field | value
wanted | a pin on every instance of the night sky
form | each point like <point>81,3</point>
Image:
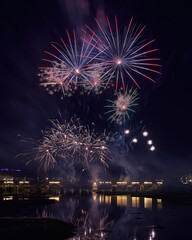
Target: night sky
<point>28,27</point>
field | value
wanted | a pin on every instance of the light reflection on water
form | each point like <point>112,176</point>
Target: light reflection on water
<point>148,203</point>
<point>159,204</point>
<point>121,201</point>
<point>105,217</point>
<point>135,202</point>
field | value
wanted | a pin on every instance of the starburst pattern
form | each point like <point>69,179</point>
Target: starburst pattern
<point>124,55</point>
<point>120,108</point>
<point>72,66</point>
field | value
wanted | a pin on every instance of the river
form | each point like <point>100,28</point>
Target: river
<point>119,217</point>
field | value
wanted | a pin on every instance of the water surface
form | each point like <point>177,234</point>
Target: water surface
<point>119,217</point>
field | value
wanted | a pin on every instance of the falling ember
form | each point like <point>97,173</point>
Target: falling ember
<point>152,148</point>
<point>145,134</point>
<point>127,131</point>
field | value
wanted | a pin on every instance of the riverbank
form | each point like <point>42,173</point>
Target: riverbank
<point>35,228</point>
<point>12,207</point>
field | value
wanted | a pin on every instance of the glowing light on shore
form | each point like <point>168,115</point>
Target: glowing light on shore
<point>122,183</point>
<point>22,182</point>
<point>54,198</point>
<point>159,183</point>
<point>54,182</point>
<point>8,198</point>
<point>148,183</point>
<point>8,182</point>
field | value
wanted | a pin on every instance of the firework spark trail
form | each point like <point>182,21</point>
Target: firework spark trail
<point>72,67</point>
<point>70,144</point>
<point>126,54</point>
<point>120,108</point>
<point>92,230</point>
<point>97,79</point>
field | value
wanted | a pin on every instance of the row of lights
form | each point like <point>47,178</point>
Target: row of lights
<point>133,183</point>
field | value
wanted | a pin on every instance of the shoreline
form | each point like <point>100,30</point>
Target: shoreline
<point>39,228</point>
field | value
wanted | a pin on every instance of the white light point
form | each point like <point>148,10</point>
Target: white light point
<point>152,148</point>
<point>77,71</point>
<point>123,107</point>
<point>135,140</point>
<point>118,61</point>
<point>149,142</point>
<point>127,131</point>
<point>153,233</point>
<point>145,134</point>
<point>96,82</point>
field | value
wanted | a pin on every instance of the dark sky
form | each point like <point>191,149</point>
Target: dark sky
<point>28,27</point>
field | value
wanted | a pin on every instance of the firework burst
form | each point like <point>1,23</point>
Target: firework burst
<point>72,65</point>
<point>120,108</point>
<point>97,80</point>
<point>70,144</point>
<point>126,54</point>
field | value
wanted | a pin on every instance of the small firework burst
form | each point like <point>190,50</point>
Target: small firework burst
<point>53,79</point>
<point>120,108</point>
<point>97,80</point>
